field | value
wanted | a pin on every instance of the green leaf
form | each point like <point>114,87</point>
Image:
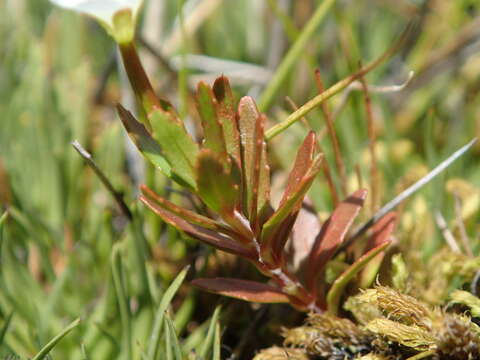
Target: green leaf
<point>178,146</point>
<point>242,289</point>
<point>158,322</point>
<point>174,351</point>
<point>118,273</point>
<point>212,127</point>
<point>227,116</point>
<point>144,141</point>
<point>335,292</point>
<point>216,185</point>
<point>51,344</point>
<point>208,344</point>
<point>5,327</point>
<point>217,342</point>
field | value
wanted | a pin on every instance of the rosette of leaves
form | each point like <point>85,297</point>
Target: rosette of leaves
<point>229,172</point>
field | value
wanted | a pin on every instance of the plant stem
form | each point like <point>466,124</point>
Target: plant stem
<point>334,89</point>
<point>146,97</point>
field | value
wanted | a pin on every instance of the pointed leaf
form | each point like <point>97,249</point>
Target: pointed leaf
<point>216,185</point>
<point>286,214</point>
<point>183,213</point>
<point>212,127</point>
<point>335,292</point>
<point>382,230</point>
<point>333,233</point>
<point>208,343</point>
<point>303,162</point>
<point>172,345</point>
<point>242,289</point>
<point>227,115</point>
<point>178,146</point>
<point>144,141</point>
<point>167,297</point>
<point>381,233</point>
<point>304,231</point>
<point>210,237</point>
<point>43,353</point>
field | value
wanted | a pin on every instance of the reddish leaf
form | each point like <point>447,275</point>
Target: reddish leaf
<point>303,162</point>
<point>332,234</point>
<point>381,233</point>
<point>144,141</point>
<point>212,127</point>
<point>304,231</point>
<point>216,185</point>
<point>272,242</point>
<point>227,116</point>
<point>382,230</point>
<point>242,289</point>
<point>183,213</point>
<point>198,232</point>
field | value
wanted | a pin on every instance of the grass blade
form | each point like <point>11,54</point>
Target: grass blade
<point>334,89</point>
<point>208,344</point>
<point>335,292</point>
<point>158,322</point>
<point>5,327</point>
<point>51,344</point>
<point>122,298</point>
<point>295,52</point>
<point>408,192</point>
<point>174,351</point>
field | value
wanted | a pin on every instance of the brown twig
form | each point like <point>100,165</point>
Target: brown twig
<point>461,226</point>
<point>371,146</point>
<point>325,165</point>
<point>333,136</point>
<point>103,178</point>
<point>447,234</point>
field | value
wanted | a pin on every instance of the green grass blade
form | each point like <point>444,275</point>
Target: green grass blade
<point>125,316</point>
<point>5,327</point>
<point>158,322</point>
<point>50,345</point>
<point>172,339</point>
<point>295,52</point>
<point>3,218</point>
<point>208,344</point>
<point>217,342</point>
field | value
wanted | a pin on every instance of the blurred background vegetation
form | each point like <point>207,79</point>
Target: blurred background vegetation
<point>66,251</point>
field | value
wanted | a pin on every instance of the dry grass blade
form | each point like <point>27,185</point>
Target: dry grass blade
<point>408,192</point>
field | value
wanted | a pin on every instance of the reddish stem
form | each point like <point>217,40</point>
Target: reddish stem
<point>141,85</point>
